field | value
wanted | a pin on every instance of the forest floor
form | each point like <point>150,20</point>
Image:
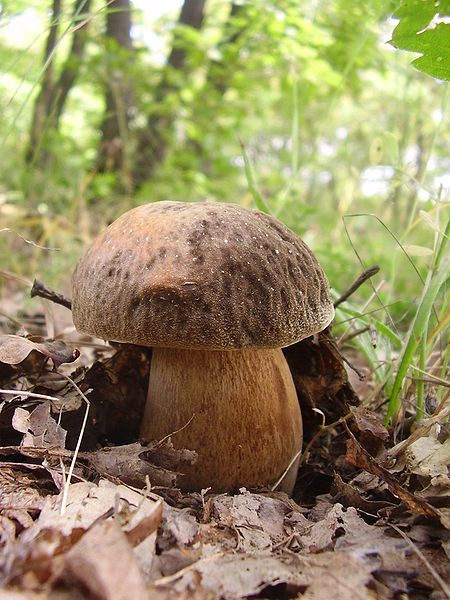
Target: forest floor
<point>86,511</point>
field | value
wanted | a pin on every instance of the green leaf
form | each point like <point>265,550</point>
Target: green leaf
<point>414,250</point>
<point>435,46</point>
<point>415,33</point>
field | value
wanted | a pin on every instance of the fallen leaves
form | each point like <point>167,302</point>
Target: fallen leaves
<point>101,538</point>
<point>15,349</point>
<point>429,458</point>
<point>358,456</point>
<point>323,576</point>
<point>115,542</point>
<point>134,464</point>
<point>39,428</point>
<point>104,564</point>
<point>72,545</point>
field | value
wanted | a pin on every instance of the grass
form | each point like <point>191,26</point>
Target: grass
<point>416,346</point>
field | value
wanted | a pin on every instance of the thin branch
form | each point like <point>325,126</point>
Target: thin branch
<point>353,334</point>
<point>365,275</point>
<point>41,290</point>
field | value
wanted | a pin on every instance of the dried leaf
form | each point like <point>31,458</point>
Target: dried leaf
<point>257,519</point>
<point>114,382</point>
<point>163,454</point>
<point>368,421</point>
<point>144,522</point>
<point>40,548</point>
<point>371,432</point>
<point>40,428</point>
<point>103,562</point>
<point>134,464</point>
<point>15,349</point>
<point>357,456</point>
<point>351,494</point>
<point>430,458</point>
<point>19,491</point>
<point>320,379</point>
<point>179,526</point>
<point>21,420</point>
<point>320,577</point>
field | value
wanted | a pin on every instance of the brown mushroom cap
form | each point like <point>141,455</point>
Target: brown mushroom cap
<point>200,275</point>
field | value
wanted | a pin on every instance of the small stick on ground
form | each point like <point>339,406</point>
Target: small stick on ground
<point>365,275</point>
<point>41,290</point>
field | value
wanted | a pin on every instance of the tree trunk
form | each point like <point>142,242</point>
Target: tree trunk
<point>43,100</point>
<point>154,139</point>
<point>73,62</point>
<point>53,94</point>
<point>112,154</point>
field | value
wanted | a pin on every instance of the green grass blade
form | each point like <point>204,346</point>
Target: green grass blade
<point>260,203</point>
<point>419,325</point>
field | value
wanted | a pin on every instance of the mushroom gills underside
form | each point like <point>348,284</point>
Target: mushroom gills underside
<point>237,409</point>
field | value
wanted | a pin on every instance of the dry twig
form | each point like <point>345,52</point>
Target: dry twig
<point>365,275</point>
<point>41,290</point>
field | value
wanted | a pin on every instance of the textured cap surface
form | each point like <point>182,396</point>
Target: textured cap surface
<point>200,275</point>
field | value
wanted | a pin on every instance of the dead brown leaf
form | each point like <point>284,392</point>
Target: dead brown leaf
<point>324,576</point>
<point>39,428</point>
<point>115,382</point>
<point>134,464</point>
<point>359,457</point>
<point>19,491</point>
<point>429,458</point>
<point>15,349</point>
<point>257,520</point>
<point>366,420</point>
<point>104,563</point>
<point>321,380</point>
<point>39,550</point>
<point>371,432</point>
<point>351,494</point>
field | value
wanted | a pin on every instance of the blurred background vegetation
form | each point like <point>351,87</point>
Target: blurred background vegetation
<point>106,105</point>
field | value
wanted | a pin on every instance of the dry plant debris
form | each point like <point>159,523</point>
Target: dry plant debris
<point>374,524</point>
<point>15,349</point>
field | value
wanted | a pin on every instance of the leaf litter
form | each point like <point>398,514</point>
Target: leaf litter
<point>366,520</point>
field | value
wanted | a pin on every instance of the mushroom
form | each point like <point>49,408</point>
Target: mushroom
<point>216,290</point>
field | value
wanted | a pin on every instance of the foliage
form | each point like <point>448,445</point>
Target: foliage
<point>422,30</point>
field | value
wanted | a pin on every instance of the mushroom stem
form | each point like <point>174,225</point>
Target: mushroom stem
<point>245,422</point>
